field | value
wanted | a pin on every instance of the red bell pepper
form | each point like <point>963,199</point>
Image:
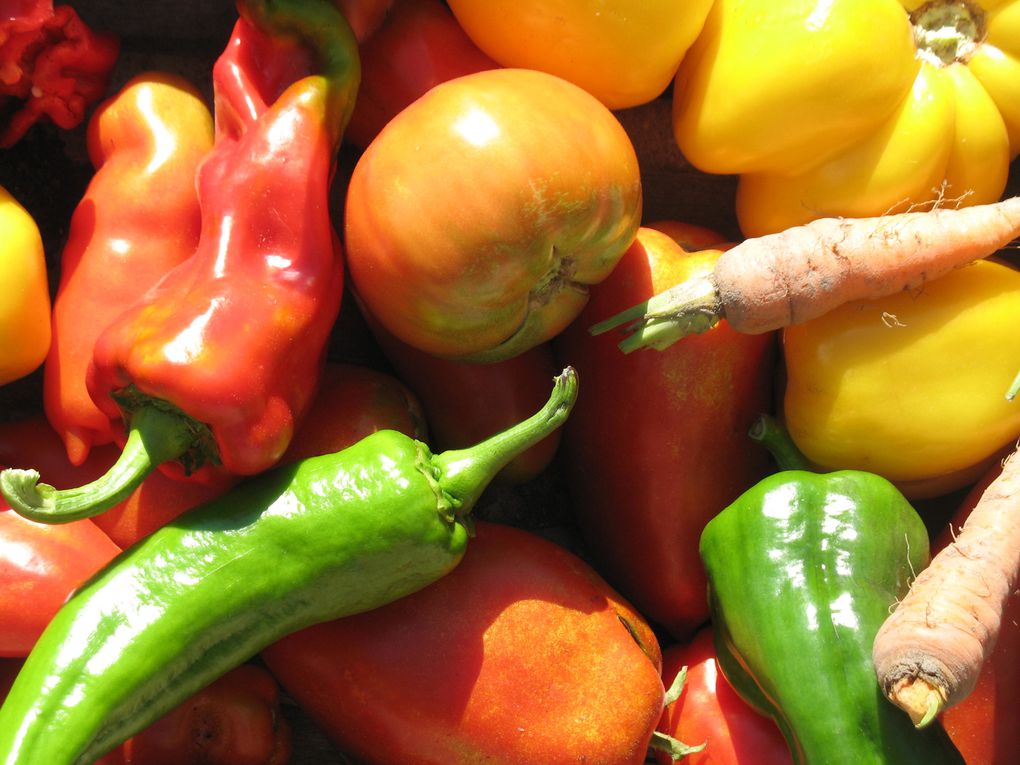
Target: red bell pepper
<point>710,712</point>
<point>52,63</point>
<point>984,725</point>
<point>522,655</point>
<point>215,367</point>
<point>138,218</point>
<point>682,418</point>
<point>40,565</point>
<point>419,45</point>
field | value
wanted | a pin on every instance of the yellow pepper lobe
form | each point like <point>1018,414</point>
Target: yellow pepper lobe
<point>25,306</point>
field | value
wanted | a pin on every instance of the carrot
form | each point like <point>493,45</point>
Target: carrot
<point>769,282</point>
<point>929,652</point>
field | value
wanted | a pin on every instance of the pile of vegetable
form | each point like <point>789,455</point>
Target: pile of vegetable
<point>377,392</point>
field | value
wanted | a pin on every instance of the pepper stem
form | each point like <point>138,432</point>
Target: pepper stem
<point>155,436</point>
<point>768,432</point>
<point>463,474</point>
<point>689,308</point>
<point>323,28</point>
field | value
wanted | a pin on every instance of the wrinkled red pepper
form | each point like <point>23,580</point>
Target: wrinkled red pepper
<point>51,64</point>
<point>215,367</point>
<point>139,217</point>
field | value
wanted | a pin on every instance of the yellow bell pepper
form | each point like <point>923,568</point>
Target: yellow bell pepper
<point>852,107</point>
<point>25,304</point>
<point>912,387</point>
<point>623,52</point>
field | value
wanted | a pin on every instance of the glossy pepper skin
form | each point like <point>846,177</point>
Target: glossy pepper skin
<point>303,543</point>
<point>25,307</point>
<point>853,107</point>
<point>139,217</point>
<point>684,415</point>
<point>52,63</point>
<point>710,712</point>
<point>622,52</point>
<point>40,566</point>
<point>213,369</point>
<point>868,384</point>
<point>802,570</point>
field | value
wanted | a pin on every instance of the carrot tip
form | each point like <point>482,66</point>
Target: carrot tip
<point>921,700</point>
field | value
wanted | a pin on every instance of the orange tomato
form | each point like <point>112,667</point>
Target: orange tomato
<point>477,219</point>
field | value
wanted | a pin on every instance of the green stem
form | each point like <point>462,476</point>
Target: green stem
<point>1014,387</point>
<point>689,308</point>
<point>663,742</point>
<point>768,432</point>
<point>463,474</point>
<point>155,436</point>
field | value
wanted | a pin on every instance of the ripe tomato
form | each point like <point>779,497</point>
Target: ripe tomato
<point>477,218</point>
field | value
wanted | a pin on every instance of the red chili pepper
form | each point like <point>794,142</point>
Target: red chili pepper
<point>215,367</point>
<point>710,712</point>
<point>419,45</point>
<point>53,62</point>
<point>138,218</point>
<point>682,418</point>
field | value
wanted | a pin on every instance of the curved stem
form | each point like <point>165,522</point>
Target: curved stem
<point>463,474</point>
<point>323,28</point>
<point>155,436</point>
<point>768,432</point>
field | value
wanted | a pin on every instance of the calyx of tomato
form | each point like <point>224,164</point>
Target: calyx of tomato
<point>947,31</point>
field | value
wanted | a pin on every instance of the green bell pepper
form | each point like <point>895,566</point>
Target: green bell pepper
<point>300,544</point>
<point>802,569</point>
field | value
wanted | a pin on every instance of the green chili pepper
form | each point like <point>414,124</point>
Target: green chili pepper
<point>802,569</point>
<point>316,540</point>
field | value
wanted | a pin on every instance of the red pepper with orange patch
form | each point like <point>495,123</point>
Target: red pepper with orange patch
<point>139,218</point>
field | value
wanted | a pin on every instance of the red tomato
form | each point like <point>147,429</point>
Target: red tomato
<point>710,712</point>
<point>419,46</point>
<point>477,219</point>
<point>984,725</point>
<point>657,443</point>
<point>522,655</point>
